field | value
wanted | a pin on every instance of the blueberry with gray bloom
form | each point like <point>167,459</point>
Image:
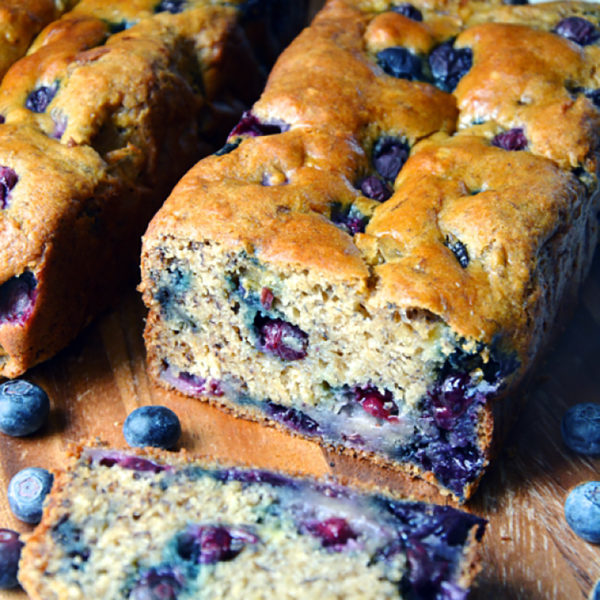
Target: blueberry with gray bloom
<point>40,98</point>
<point>581,428</point>
<point>27,491</point>
<point>156,426</point>
<point>400,63</point>
<point>582,511</point>
<point>448,65</point>
<point>10,552</point>
<point>595,595</point>
<point>24,407</point>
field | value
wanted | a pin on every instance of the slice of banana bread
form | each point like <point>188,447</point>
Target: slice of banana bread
<point>137,526</point>
<point>110,107</point>
<point>382,249</point>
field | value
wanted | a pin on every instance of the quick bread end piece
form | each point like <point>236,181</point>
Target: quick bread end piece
<point>132,525</point>
<point>395,230</point>
<point>113,103</point>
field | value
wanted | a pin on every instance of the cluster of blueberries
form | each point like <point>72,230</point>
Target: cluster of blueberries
<point>24,409</point>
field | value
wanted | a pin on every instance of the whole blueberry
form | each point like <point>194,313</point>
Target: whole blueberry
<point>24,407</point>
<point>582,511</point>
<point>578,30</point>
<point>388,156</point>
<point>595,593</point>
<point>10,552</point>
<point>513,139</point>
<point>40,98</point>
<point>400,62</point>
<point>581,428</point>
<point>27,491</point>
<point>373,187</point>
<point>408,10</point>
<point>156,426</point>
<point>448,65</point>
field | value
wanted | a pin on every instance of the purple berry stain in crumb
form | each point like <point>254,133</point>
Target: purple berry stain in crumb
<point>373,187</point>
<point>450,400</point>
<point>17,298</point>
<point>293,418</point>
<point>334,532</point>
<point>10,552</point>
<point>577,30</point>
<point>250,125</point>
<point>8,180</point>
<point>377,404</point>
<point>266,298</point>
<point>40,98</point>
<point>581,428</point>
<point>389,155</point>
<point>513,139</point>
<point>158,583</point>
<point>448,65</point>
<point>409,11</point>
<point>280,338</point>
<point>209,544</point>
<point>126,461</point>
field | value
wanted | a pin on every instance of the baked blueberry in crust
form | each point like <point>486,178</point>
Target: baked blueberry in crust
<point>191,528</point>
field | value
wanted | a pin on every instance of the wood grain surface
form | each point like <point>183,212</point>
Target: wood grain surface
<point>529,550</point>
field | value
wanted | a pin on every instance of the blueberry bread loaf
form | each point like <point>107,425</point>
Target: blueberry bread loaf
<point>21,21</point>
<point>132,526</point>
<point>110,107</point>
<point>382,249</point>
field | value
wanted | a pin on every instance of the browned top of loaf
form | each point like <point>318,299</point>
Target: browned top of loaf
<point>503,206</point>
<point>102,132</point>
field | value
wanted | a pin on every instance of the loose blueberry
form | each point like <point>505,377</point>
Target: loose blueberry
<point>578,30</point>
<point>156,426</point>
<point>349,218</point>
<point>40,98</point>
<point>582,511</point>
<point>8,180</point>
<point>581,428</point>
<point>595,593</point>
<point>280,338</point>
<point>375,403</point>
<point>209,544</point>
<point>460,252</point>
<point>513,139</point>
<point>408,10</point>
<point>400,63</point>
<point>293,418</point>
<point>24,407</point>
<point>17,298</point>
<point>10,552</point>
<point>448,65</point>
<point>26,493</point>
<point>388,156</point>
<point>373,187</point>
<point>161,583</point>
<point>250,125</point>
<point>334,532</point>
<point>172,6</point>
<point>229,147</point>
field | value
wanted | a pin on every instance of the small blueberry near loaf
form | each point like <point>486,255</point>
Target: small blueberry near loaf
<point>125,525</point>
<point>382,249</point>
<point>112,104</point>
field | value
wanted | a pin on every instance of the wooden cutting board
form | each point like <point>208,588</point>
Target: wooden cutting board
<point>529,551</point>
